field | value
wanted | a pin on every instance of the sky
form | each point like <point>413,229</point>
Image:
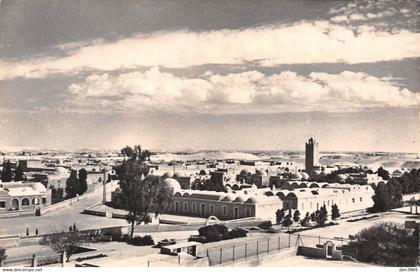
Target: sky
<point>187,74</point>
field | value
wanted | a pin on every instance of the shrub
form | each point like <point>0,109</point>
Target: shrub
<point>236,233</point>
<point>142,241</point>
<point>265,225</point>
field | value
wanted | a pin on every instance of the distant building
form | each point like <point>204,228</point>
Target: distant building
<point>23,196</point>
<point>311,156</point>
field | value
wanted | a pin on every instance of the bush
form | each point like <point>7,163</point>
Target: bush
<point>215,233</point>
<point>236,233</point>
<point>265,225</point>
<point>142,241</point>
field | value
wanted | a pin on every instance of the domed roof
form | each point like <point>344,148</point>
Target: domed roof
<point>261,172</point>
<point>227,198</point>
<point>397,172</point>
<point>167,175</point>
<point>203,172</point>
<point>251,200</point>
<point>38,186</point>
<point>62,170</point>
<point>341,177</point>
<point>296,176</point>
<point>305,176</point>
<point>244,172</point>
<point>178,175</point>
<point>239,199</point>
<point>171,183</point>
<point>317,172</point>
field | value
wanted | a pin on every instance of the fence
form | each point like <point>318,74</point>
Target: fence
<point>224,252</point>
<point>247,248</point>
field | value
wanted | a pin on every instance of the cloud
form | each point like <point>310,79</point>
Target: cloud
<point>302,42</point>
<point>245,92</point>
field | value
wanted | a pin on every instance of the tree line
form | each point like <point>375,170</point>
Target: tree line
<point>319,217</point>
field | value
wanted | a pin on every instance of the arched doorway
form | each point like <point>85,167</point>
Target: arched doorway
<point>15,204</point>
<point>35,201</point>
<point>25,202</point>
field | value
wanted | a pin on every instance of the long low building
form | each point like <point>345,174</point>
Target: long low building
<point>347,197</point>
<point>264,202</point>
<point>16,196</point>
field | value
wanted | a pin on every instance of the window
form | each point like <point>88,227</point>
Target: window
<point>211,209</point>
<point>2,204</point>
<point>25,202</point>
<point>303,206</point>
<point>248,212</point>
<point>224,211</point>
<point>193,207</point>
<point>185,206</point>
<point>236,212</point>
<point>203,210</point>
<point>310,205</point>
<point>286,205</point>
<point>177,207</point>
<point>35,201</point>
<point>361,199</point>
<point>353,200</point>
<point>317,206</point>
<point>44,200</point>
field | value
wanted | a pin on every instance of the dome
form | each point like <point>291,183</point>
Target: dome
<point>239,199</point>
<point>167,175</point>
<point>244,172</point>
<point>171,183</point>
<point>178,175</point>
<point>261,172</point>
<point>227,198</point>
<point>203,172</point>
<point>304,175</point>
<point>186,194</point>
<point>251,200</point>
<point>397,172</point>
<point>341,177</point>
<point>296,176</point>
<point>38,186</point>
<point>61,170</point>
<point>317,172</point>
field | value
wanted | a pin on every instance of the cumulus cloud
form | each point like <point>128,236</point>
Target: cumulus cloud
<point>302,42</point>
<point>250,91</point>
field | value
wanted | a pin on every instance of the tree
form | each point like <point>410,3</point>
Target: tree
<point>83,186</point>
<point>3,256</point>
<point>296,216</point>
<point>305,221</point>
<point>72,185</point>
<point>141,194</point>
<point>287,222</point>
<point>279,216</point>
<point>66,242</point>
<point>7,174</point>
<point>19,173</point>
<point>127,152</point>
<point>335,212</point>
<point>384,174</point>
<point>387,244</point>
<point>321,216</point>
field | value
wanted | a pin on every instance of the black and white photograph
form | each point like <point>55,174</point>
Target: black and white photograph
<point>213,134</point>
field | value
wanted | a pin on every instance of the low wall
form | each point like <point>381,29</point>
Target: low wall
<point>311,252</point>
<point>17,214</point>
<point>62,204</point>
